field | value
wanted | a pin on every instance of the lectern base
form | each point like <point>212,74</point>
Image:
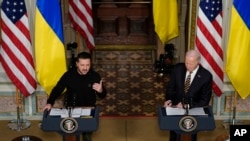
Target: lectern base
<point>182,137</point>
<point>71,138</point>
<point>187,137</point>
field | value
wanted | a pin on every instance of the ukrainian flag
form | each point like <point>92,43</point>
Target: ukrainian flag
<point>49,48</point>
<point>238,52</point>
<point>165,14</point>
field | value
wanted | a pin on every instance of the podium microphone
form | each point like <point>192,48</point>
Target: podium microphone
<point>72,105</point>
<point>66,101</point>
<point>187,104</point>
<point>186,107</point>
<point>74,101</point>
<point>69,103</point>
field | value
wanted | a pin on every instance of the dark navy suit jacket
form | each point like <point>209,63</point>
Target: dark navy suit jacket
<point>200,90</point>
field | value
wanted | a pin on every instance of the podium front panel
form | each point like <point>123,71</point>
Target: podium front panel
<point>171,122</point>
<point>85,123</point>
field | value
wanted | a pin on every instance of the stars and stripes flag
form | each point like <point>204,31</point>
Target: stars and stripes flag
<point>80,14</point>
<point>208,40</point>
<point>16,54</point>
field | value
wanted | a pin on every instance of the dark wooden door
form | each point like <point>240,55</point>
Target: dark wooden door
<point>123,22</point>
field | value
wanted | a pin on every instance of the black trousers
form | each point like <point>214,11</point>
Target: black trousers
<point>176,137</point>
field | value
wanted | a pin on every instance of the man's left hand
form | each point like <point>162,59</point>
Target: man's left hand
<point>97,87</point>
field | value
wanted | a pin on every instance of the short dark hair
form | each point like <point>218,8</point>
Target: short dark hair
<point>83,55</point>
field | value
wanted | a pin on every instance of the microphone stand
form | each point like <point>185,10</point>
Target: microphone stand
<point>187,101</point>
<point>66,104</point>
<point>70,107</point>
<point>70,111</point>
<point>73,104</point>
<point>186,107</point>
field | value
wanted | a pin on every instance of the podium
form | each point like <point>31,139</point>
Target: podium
<point>81,124</point>
<point>178,123</point>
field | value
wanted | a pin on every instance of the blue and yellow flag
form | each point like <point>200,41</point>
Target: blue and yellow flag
<point>238,52</point>
<point>49,48</point>
<point>165,14</point>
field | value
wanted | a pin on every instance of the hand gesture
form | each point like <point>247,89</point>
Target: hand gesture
<point>97,87</point>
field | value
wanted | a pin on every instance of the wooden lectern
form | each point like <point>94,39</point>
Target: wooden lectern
<point>84,124</point>
<point>177,123</point>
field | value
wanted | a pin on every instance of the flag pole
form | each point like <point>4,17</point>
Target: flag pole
<point>234,120</point>
<point>18,124</point>
<point>18,98</point>
<point>78,42</point>
<point>234,107</point>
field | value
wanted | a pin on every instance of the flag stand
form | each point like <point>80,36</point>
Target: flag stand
<point>232,121</point>
<point>18,124</point>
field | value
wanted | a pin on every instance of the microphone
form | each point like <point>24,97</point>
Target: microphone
<point>70,100</point>
<point>187,104</point>
<point>70,103</point>
<point>73,104</point>
<point>65,101</point>
<point>74,100</point>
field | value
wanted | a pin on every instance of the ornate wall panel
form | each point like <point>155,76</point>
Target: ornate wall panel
<point>241,105</point>
<point>8,104</point>
<point>41,101</point>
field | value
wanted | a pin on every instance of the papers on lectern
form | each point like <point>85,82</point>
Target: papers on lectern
<point>76,112</point>
<point>180,111</point>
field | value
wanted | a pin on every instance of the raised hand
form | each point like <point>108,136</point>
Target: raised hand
<point>97,87</point>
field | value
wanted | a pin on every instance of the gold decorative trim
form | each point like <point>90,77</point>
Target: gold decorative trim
<point>192,23</point>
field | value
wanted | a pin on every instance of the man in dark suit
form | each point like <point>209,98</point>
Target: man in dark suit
<point>199,91</point>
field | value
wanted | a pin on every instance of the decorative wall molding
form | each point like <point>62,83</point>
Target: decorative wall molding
<point>8,104</point>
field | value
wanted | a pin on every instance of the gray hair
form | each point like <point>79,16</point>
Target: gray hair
<point>193,53</point>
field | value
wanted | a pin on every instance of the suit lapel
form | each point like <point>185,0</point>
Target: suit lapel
<point>196,79</point>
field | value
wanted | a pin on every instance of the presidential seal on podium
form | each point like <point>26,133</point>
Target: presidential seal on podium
<point>69,125</point>
<point>188,123</point>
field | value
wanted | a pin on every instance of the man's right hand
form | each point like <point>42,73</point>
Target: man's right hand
<point>179,105</point>
<point>47,107</point>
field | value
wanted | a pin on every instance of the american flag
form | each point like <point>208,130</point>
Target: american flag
<point>16,53</point>
<point>80,14</point>
<point>209,40</point>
